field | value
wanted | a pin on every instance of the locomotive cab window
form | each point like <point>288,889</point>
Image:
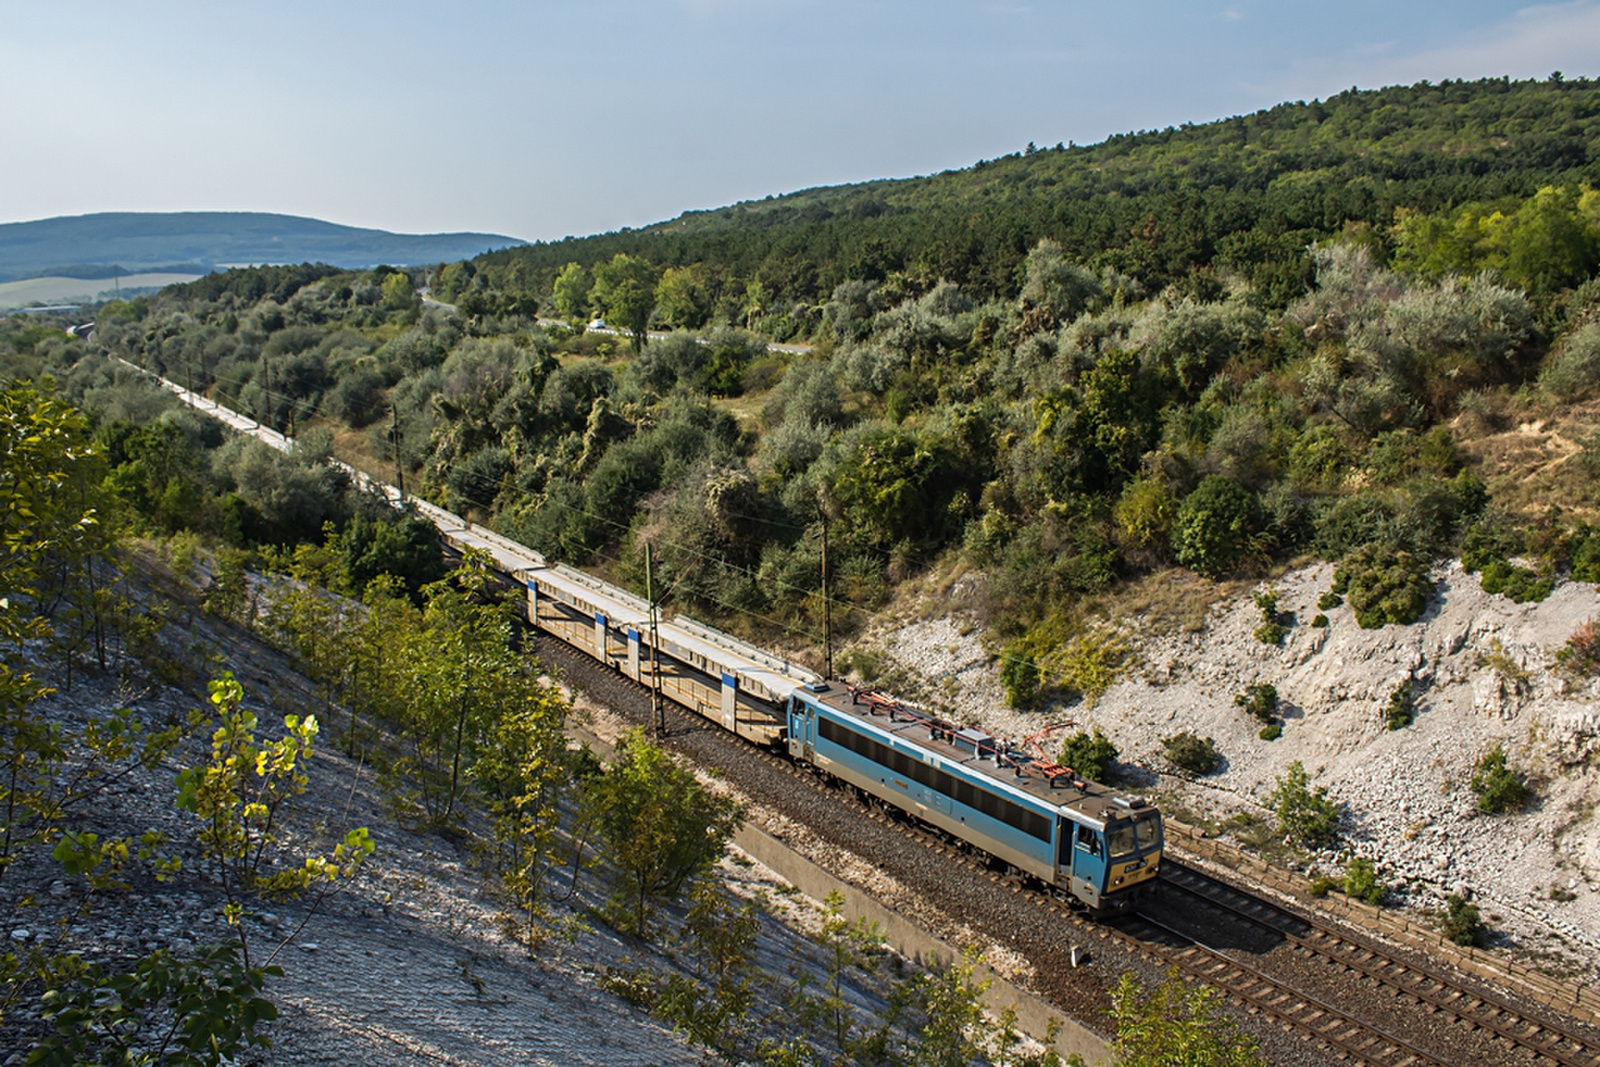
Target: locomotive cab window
<point>1120,839</point>
<point>1088,840</point>
<point>1148,832</point>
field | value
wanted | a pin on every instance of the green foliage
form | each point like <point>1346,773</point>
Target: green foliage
<point>239,795</point>
<point>661,827</point>
<point>206,1010</point>
<point>1213,527</point>
<point>1401,710</point>
<point>1092,756</point>
<point>1197,755</point>
<point>714,1011</point>
<point>1329,600</point>
<point>1384,586</point>
<point>1274,623</point>
<point>1260,699</point>
<point>1306,817</point>
<point>1462,923</point>
<point>1271,732</point>
<point>1319,621</point>
<point>624,290</point>
<point>1361,881</point>
<point>1019,676</point>
<point>1498,786</point>
<point>1090,663</point>
<point>526,773</point>
<point>1519,584</point>
<point>1175,1023</point>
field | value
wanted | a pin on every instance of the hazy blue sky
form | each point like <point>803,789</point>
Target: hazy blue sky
<point>540,119</point>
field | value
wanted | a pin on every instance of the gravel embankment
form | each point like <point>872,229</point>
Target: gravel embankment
<point>1482,670</point>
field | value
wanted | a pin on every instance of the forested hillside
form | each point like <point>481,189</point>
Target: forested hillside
<point>1095,421</point>
<point>1246,195</point>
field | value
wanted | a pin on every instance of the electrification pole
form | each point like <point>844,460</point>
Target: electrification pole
<point>658,725</point>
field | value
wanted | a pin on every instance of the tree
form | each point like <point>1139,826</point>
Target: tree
<point>45,519</point>
<point>571,293</point>
<point>1213,525</point>
<point>525,772</point>
<point>1091,756</point>
<point>681,297</point>
<point>1175,1025</point>
<point>625,290</point>
<point>660,825</point>
<point>1305,816</point>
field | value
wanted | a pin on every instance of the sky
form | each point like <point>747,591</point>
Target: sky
<point>540,119</point>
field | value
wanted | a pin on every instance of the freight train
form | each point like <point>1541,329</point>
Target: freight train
<point>1098,845</point>
<point>1010,801</point>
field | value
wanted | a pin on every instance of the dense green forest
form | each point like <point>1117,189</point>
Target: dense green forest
<point>1247,195</point>
<point>1099,385</point>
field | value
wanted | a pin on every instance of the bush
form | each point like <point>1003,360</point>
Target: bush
<point>1572,370</point>
<point>1090,756</point>
<point>1197,755</point>
<point>1019,675</point>
<point>1271,732</point>
<point>1520,584</point>
<point>1274,623</point>
<point>1499,788</point>
<point>1401,711</point>
<point>1319,621</point>
<point>1261,700</point>
<point>1462,923</point>
<point>1213,526</point>
<point>1361,881</point>
<point>1306,816</point>
<point>1581,656</point>
<point>1329,601</point>
<point>1385,586</point>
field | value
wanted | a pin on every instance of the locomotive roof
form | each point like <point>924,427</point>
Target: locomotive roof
<point>1098,802</point>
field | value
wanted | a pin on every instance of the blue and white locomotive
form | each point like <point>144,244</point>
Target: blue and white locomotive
<point>1101,846</point>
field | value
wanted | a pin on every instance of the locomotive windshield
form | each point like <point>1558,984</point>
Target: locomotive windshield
<point>1128,837</point>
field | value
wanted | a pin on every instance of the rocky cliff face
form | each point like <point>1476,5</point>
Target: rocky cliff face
<point>1482,670</point>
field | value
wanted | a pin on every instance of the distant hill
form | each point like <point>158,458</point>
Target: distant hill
<point>194,242</point>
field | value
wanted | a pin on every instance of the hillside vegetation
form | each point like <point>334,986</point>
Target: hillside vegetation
<point>1246,195</point>
<point>1063,435</point>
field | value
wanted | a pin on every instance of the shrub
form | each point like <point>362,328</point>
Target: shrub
<point>1385,586</point>
<point>1461,922</point>
<point>1019,675</point>
<point>1090,756</point>
<point>1306,816</point>
<point>1274,623</point>
<point>1581,656</point>
<point>1213,526</point>
<point>1499,788</point>
<point>1572,370</point>
<point>1091,663</point>
<point>1329,601</point>
<point>1259,699</point>
<point>1401,711</point>
<point>1520,584</point>
<point>1361,881</point>
<point>1271,732</point>
<point>1319,621</point>
<point>1197,755</point>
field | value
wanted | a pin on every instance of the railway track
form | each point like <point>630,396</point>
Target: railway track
<point>1425,1019</point>
<point>1542,1037</point>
